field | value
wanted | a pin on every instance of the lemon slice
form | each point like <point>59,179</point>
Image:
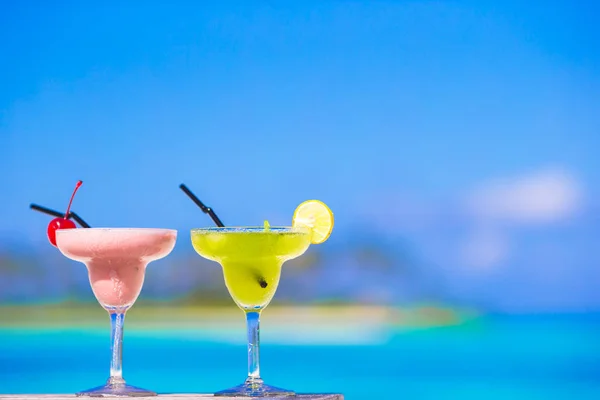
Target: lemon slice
<point>314,214</point>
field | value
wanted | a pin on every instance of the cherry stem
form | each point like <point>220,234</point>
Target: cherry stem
<point>77,186</point>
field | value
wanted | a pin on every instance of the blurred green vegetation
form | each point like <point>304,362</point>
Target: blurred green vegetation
<point>156,315</point>
<point>357,271</point>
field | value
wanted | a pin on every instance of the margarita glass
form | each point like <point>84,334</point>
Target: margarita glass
<point>251,258</point>
<point>116,260</point>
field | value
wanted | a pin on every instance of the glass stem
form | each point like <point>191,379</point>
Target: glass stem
<point>253,325</point>
<point>117,318</point>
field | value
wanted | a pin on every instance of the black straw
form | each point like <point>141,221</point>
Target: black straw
<point>79,220</point>
<point>55,213</point>
<point>206,210</point>
<point>259,279</point>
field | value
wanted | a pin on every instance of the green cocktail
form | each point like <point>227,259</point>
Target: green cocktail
<point>251,258</point>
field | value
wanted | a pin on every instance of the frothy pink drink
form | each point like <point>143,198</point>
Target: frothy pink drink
<point>116,258</point>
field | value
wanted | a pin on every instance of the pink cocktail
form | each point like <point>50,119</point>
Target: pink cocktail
<point>116,259</point>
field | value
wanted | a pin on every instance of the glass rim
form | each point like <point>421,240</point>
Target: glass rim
<point>156,230</point>
<point>253,229</point>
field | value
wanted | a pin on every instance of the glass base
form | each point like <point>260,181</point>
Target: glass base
<point>116,390</point>
<point>255,388</point>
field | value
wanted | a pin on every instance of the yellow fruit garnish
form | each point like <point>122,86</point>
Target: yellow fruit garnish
<point>267,226</point>
<point>316,216</point>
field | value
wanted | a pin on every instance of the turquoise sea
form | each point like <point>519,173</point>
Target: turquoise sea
<point>495,357</point>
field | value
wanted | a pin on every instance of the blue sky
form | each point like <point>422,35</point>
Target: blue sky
<point>393,113</point>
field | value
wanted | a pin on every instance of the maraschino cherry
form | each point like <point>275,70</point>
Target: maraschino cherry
<point>62,223</point>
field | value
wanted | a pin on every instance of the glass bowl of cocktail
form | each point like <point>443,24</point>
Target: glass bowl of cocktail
<point>252,259</point>
<point>116,260</point>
